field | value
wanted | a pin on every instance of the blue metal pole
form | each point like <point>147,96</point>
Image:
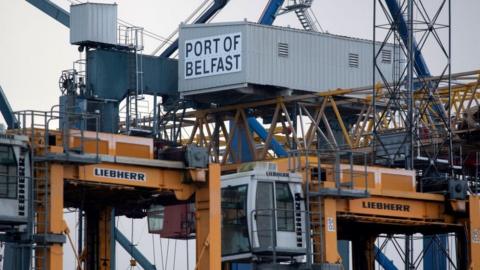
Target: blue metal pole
<point>434,257</point>
<point>396,12</point>
<point>133,251</point>
<point>52,10</point>
<point>384,261</point>
<point>217,6</point>
<point>240,143</point>
<point>262,133</point>
<point>270,12</point>
<point>344,251</point>
<point>7,111</point>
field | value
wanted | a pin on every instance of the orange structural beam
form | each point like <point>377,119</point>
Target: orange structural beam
<point>208,218</point>
<point>134,176</point>
<point>473,240</point>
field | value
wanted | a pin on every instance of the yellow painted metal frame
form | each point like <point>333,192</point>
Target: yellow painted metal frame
<point>176,181</point>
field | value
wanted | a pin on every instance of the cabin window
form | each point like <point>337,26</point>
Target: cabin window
<point>8,173</point>
<point>234,220</point>
<point>285,212</point>
<point>264,213</point>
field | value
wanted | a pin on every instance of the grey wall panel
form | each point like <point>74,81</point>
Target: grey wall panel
<point>316,62</point>
<point>108,73</point>
<point>93,22</point>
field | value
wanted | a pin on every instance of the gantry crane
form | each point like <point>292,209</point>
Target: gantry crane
<point>84,166</point>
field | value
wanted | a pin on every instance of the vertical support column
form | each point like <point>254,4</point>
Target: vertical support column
<point>54,254</point>
<point>363,252</point>
<point>473,237</point>
<point>208,226</point>
<point>100,241</point>
<point>240,142</point>
<point>434,258</point>
<point>330,250</point>
<point>344,250</point>
<point>105,237</point>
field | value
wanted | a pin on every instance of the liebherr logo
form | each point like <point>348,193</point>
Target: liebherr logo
<point>277,174</point>
<point>387,206</point>
<point>119,174</point>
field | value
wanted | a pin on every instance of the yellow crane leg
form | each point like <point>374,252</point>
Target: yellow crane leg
<point>330,252</point>
<point>474,232</point>
<point>99,238</point>
<point>54,224</point>
<point>105,237</point>
<point>208,222</point>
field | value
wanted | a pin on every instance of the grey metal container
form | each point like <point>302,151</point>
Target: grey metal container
<point>284,58</point>
<point>93,23</point>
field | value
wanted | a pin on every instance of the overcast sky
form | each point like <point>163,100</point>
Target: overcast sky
<point>34,48</point>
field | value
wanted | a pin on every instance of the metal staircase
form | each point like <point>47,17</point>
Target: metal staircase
<point>305,19</point>
<point>302,10</point>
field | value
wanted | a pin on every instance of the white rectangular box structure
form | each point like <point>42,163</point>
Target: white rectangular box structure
<point>225,56</point>
<point>93,23</point>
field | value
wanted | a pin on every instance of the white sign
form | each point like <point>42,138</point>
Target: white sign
<point>330,224</point>
<point>120,174</point>
<point>213,55</point>
<point>476,236</point>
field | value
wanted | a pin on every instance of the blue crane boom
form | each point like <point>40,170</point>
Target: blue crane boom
<point>48,7</point>
<point>419,62</point>
<point>7,111</point>
<point>396,12</point>
<point>270,12</point>
<point>209,13</point>
<point>133,251</point>
<point>383,260</point>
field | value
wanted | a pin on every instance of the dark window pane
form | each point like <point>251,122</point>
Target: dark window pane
<point>234,220</point>
<point>285,214</point>
<point>264,211</point>
<point>8,173</point>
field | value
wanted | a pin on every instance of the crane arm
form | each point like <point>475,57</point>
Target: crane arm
<point>48,7</point>
<point>270,12</point>
<point>133,251</point>
<point>396,12</point>
<point>209,13</point>
<point>7,111</point>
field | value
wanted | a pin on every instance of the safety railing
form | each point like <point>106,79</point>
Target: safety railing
<point>131,36</point>
<point>346,168</point>
<point>334,173</point>
<point>54,128</point>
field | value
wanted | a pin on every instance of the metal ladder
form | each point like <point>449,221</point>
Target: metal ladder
<point>41,204</point>
<point>317,225</point>
<point>41,187</point>
<point>134,40</point>
<point>315,214</point>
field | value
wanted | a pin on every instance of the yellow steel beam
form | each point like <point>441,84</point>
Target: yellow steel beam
<point>208,217</point>
<point>340,121</point>
<point>474,232</point>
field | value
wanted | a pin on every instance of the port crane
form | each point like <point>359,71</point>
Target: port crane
<point>342,192</point>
